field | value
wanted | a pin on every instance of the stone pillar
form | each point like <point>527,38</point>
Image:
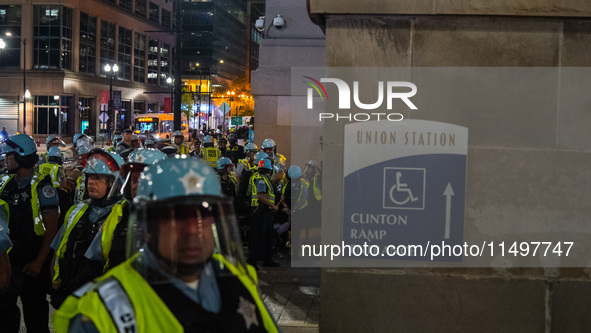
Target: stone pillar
<point>513,165</point>
<point>299,44</point>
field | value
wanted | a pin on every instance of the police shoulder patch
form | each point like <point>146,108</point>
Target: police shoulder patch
<point>48,191</point>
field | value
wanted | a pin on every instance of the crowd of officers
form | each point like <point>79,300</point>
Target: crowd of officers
<point>66,219</point>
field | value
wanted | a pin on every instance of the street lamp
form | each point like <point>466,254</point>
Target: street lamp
<point>111,72</point>
<point>3,45</point>
<point>170,82</point>
<point>231,96</point>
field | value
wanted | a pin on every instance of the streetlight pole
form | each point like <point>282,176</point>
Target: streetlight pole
<point>111,72</point>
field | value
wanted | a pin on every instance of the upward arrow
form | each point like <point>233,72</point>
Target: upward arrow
<point>449,192</point>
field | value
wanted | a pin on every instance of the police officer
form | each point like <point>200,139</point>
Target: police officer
<point>52,140</point>
<point>53,168</point>
<point>29,207</point>
<point>71,154</point>
<point>187,276</point>
<point>81,224</point>
<point>125,143</point>
<point>235,151</point>
<point>262,210</point>
<point>270,148</point>
<point>177,142</point>
<point>197,148</point>
<point>246,163</point>
<point>313,211</point>
<point>209,153</point>
<point>225,170</point>
<point>108,247</point>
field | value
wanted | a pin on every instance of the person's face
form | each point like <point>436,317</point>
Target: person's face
<point>126,136</point>
<point>10,161</point>
<point>133,181</point>
<point>268,151</point>
<point>178,139</point>
<point>251,154</point>
<point>97,185</point>
<point>186,236</point>
<point>136,144</point>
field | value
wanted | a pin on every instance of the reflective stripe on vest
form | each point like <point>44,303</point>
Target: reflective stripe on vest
<point>111,223</point>
<point>38,227</point>
<point>245,163</point>
<point>118,304</point>
<point>72,217</point>
<point>6,209</point>
<point>270,191</point>
<point>80,189</point>
<point>51,170</point>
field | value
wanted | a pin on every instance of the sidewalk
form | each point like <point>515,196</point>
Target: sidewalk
<point>292,295</point>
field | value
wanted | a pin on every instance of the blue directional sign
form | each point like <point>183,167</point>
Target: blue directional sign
<point>404,184</point>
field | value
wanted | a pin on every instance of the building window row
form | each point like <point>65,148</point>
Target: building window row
<point>52,47</point>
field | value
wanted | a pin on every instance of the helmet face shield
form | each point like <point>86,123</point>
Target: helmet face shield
<point>183,235</point>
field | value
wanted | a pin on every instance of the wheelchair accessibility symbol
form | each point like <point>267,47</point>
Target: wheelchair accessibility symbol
<point>404,188</point>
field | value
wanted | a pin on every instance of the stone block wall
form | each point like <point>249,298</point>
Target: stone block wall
<point>521,167</point>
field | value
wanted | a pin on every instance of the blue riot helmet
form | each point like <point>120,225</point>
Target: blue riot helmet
<point>223,162</point>
<point>259,156</point>
<point>52,140</point>
<point>100,162</point>
<point>265,163</point>
<point>251,147</point>
<point>54,155</point>
<point>207,139</point>
<point>23,149</point>
<point>294,172</point>
<point>182,219</point>
<point>269,147</point>
<point>149,143</point>
<point>269,143</point>
<point>175,134</point>
<point>85,141</point>
<point>129,172</point>
<point>117,138</point>
<point>75,138</point>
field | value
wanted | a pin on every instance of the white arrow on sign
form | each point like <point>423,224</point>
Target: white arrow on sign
<point>449,192</point>
<point>103,117</point>
<point>225,108</point>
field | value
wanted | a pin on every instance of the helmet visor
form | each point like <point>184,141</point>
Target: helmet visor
<point>184,235</point>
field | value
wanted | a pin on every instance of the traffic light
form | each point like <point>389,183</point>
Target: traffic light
<point>200,114</point>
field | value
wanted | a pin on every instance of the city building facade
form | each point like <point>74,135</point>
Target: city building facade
<point>57,53</point>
